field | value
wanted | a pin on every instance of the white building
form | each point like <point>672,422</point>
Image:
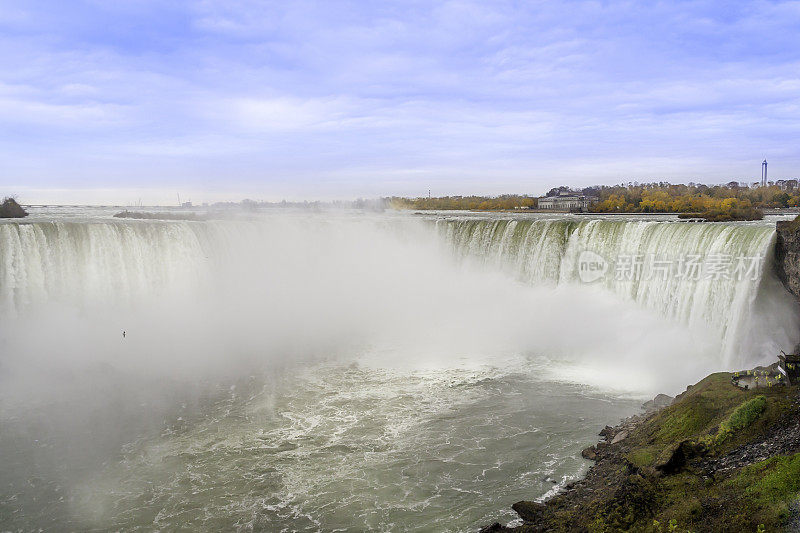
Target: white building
<point>565,202</point>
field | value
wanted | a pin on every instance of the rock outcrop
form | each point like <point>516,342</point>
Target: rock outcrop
<point>787,255</point>
<point>659,402</point>
<point>11,209</point>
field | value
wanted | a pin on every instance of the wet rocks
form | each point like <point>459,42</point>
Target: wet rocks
<point>529,511</point>
<point>589,453</point>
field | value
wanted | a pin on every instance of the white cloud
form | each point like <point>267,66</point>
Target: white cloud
<point>389,95</point>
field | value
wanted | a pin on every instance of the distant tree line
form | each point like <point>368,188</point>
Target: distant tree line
<point>466,203</point>
<point>665,197</point>
<point>711,202</point>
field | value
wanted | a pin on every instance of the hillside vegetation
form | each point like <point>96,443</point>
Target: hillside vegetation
<point>720,458</point>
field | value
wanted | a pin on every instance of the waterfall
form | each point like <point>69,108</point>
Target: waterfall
<point>711,276</point>
<point>98,262</point>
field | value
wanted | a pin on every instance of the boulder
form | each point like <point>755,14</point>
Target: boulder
<point>606,431</point>
<point>673,459</point>
<point>619,437</point>
<point>659,402</point>
<point>589,453</point>
<point>663,400</point>
<point>529,511</point>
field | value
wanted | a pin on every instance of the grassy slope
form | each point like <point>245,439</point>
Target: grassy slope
<point>639,496</point>
<point>733,501</point>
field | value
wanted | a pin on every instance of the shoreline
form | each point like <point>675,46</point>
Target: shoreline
<point>671,465</point>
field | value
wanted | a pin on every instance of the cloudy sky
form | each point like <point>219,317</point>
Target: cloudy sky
<point>115,101</point>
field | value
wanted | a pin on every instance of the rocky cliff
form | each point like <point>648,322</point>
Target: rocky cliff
<point>787,254</point>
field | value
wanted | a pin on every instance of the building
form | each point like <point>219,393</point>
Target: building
<point>566,201</point>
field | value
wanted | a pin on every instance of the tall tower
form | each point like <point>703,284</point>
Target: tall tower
<point>764,173</point>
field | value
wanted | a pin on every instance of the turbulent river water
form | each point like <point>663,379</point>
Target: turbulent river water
<point>341,371</point>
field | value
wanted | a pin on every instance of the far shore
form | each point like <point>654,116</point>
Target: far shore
<point>787,211</point>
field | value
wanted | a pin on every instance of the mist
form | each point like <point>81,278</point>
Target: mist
<point>220,300</point>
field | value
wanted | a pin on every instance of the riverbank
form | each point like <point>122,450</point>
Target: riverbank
<point>720,458</point>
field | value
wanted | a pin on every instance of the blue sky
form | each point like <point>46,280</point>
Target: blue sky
<point>115,101</point>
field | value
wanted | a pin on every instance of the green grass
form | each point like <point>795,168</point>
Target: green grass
<point>776,479</point>
<point>696,416</point>
<point>757,494</point>
<point>642,457</point>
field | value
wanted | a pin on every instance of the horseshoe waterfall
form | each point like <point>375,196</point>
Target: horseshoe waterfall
<point>349,371</point>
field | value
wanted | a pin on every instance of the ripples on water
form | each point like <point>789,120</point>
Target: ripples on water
<point>333,447</point>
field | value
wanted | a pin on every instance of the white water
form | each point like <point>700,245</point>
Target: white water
<point>748,313</point>
<point>340,371</point>
<point>258,289</point>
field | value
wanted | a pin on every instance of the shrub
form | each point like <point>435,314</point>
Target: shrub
<point>742,417</point>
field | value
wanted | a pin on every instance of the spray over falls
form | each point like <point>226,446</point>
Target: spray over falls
<point>322,262</point>
<point>103,263</point>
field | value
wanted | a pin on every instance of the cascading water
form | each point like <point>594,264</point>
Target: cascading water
<point>338,371</point>
<point>84,262</point>
<point>223,274</point>
<point>715,276</point>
